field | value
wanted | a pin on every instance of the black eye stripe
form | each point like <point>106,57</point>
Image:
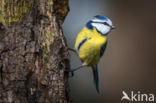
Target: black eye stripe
<point>105,23</point>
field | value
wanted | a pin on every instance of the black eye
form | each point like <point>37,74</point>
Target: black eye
<point>105,23</point>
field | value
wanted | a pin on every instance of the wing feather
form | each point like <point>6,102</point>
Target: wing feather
<point>103,47</point>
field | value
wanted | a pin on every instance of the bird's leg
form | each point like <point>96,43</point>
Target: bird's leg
<point>71,50</point>
<point>72,70</point>
<point>72,73</point>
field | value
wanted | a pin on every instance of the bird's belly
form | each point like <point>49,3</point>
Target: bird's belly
<point>89,54</point>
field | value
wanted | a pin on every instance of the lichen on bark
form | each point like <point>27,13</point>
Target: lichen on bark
<point>13,10</point>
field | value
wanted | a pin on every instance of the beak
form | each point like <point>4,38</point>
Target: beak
<point>113,27</point>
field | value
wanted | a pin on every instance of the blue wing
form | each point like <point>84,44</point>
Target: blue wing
<point>103,47</point>
<point>96,78</point>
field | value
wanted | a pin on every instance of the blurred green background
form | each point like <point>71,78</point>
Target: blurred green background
<point>129,62</point>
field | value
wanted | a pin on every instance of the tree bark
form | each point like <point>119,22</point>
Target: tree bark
<point>33,51</point>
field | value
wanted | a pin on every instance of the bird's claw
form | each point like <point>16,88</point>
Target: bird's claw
<point>71,73</point>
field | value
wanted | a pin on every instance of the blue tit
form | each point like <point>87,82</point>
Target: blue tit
<point>91,42</point>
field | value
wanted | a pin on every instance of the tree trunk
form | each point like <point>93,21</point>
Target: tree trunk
<point>33,51</point>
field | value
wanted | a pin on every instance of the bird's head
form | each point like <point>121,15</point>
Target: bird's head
<point>101,23</point>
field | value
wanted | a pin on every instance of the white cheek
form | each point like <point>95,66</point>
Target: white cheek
<point>101,28</point>
<point>109,22</point>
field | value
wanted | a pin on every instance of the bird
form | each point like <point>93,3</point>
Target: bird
<point>91,43</point>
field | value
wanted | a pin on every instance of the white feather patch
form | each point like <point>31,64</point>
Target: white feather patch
<point>104,29</point>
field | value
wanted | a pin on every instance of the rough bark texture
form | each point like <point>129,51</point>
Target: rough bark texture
<point>33,52</point>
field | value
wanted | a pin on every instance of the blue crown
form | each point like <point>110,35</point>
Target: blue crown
<point>101,17</point>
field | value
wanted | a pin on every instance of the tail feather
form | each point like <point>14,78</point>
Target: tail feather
<point>96,79</point>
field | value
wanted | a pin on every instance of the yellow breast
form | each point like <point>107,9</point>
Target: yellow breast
<point>89,51</point>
